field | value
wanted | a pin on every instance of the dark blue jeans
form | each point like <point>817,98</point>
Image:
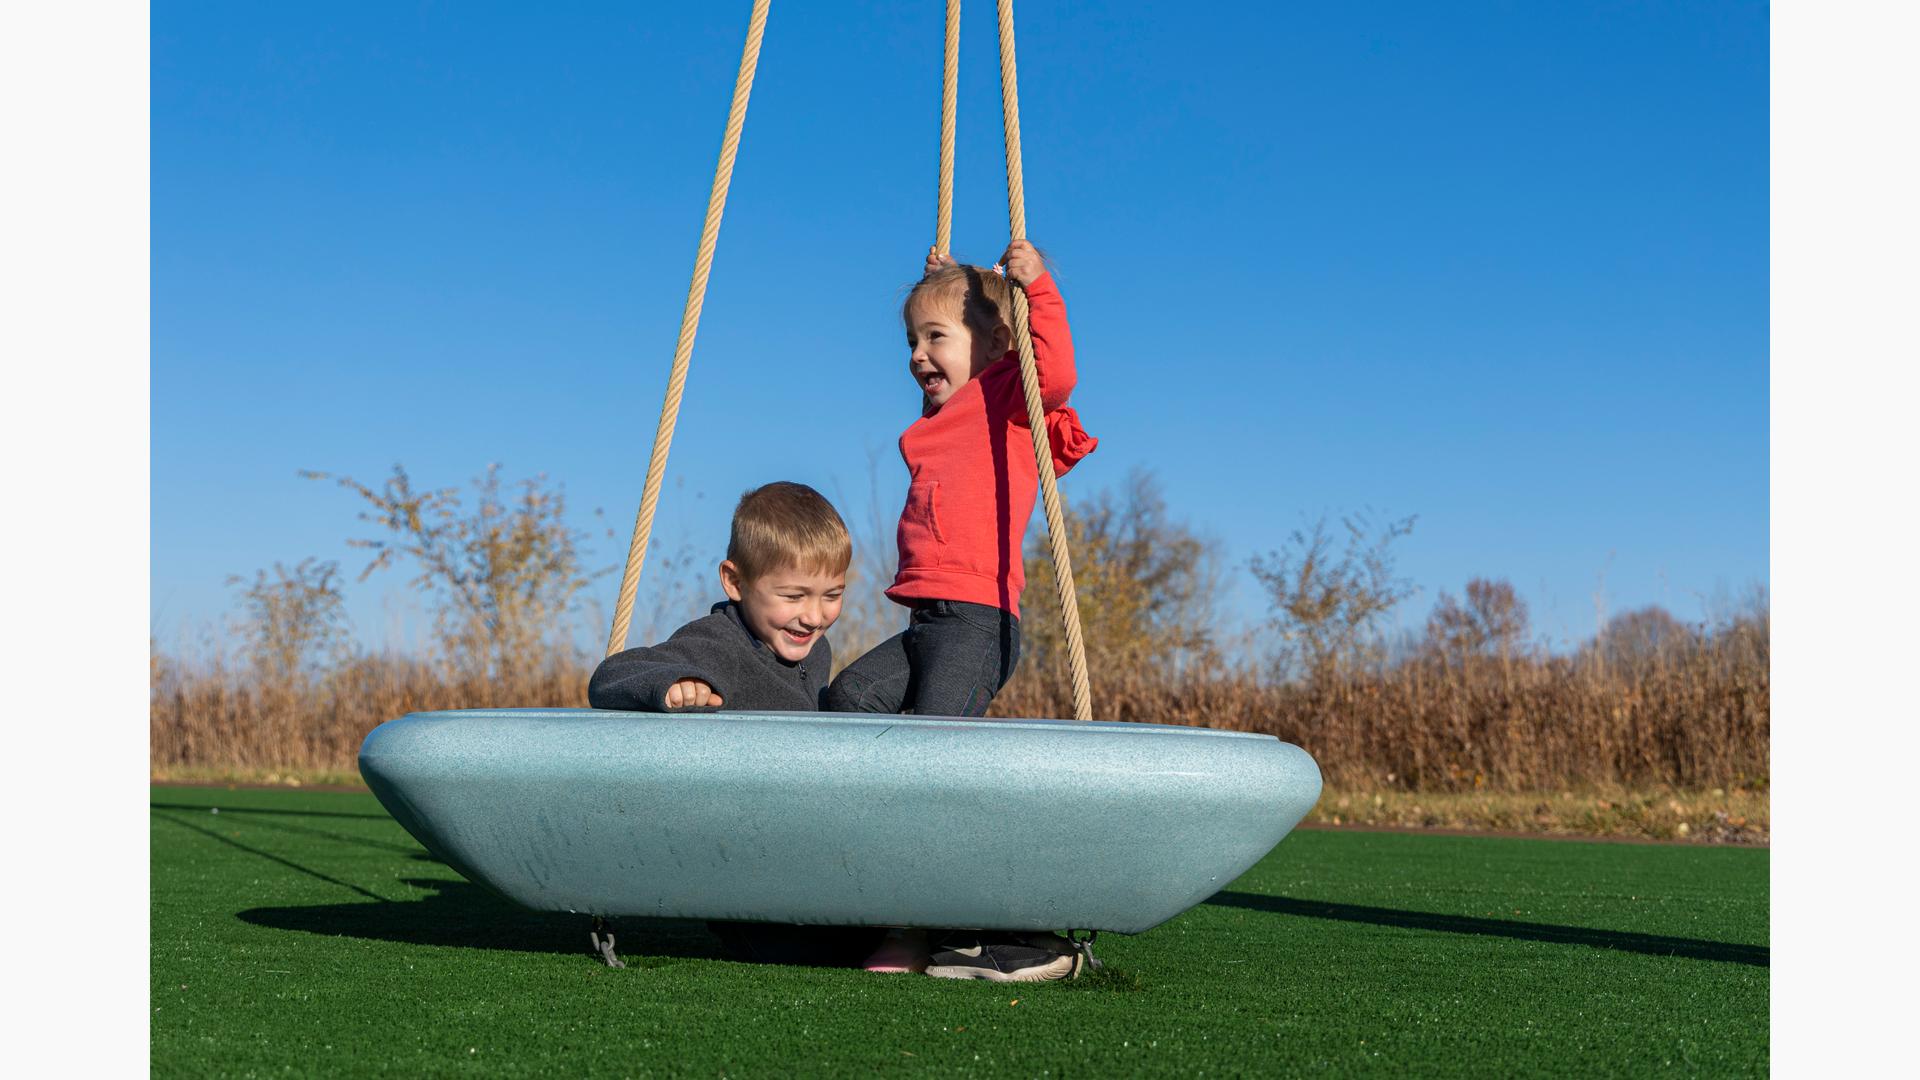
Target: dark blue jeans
<point>950,661</point>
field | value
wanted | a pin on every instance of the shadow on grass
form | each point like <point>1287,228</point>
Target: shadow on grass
<point>301,830</point>
<point>1649,944</point>
<point>268,855</point>
<point>467,916</point>
<point>460,914</point>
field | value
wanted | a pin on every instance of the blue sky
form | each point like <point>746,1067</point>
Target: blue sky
<point>1503,266</point>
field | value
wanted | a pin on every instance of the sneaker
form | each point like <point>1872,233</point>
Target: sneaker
<point>900,951</point>
<point>1005,957</point>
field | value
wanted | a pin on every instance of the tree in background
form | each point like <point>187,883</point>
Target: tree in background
<point>503,574</point>
<point>294,622</point>
<point>1638,639</point>
<point>1145,585</point>
<point>1327,605</point>
<point>1491,623</point>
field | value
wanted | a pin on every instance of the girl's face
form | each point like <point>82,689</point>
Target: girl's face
<point>945,353</point>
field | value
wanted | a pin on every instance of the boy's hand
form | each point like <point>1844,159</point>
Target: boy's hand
<point>935,261</point>
<point>1022,264</point>
<point>691,694</point>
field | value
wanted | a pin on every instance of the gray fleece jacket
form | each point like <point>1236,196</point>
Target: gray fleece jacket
<point>720,651</point>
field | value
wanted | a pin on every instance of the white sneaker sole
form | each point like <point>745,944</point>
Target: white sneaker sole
<point>1065,967</point>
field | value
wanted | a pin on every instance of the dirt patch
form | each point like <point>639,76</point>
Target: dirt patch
<point>258,785</point>
<point>1414,830</point>
<point>1716,816</point>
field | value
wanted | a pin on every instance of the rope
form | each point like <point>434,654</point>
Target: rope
<point>689,325</point>
<point>1029,377</point>
<point>697,292</point>
<point>949,108</point>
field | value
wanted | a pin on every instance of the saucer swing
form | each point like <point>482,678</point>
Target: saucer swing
<point>838,819</point>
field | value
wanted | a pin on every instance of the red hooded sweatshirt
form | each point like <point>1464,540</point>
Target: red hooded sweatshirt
<point>972,471</point>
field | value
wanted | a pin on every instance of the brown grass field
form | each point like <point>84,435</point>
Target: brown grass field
<point>1674,750</point>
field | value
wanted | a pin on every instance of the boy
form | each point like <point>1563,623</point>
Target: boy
<point>765,646</point>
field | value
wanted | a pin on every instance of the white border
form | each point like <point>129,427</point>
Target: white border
<point>74,434</point>
<point>1845,295</point>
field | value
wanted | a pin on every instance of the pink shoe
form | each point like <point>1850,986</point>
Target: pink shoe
<point>902,951</point>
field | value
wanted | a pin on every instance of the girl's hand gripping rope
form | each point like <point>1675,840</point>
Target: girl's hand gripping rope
<point>1022,264</point>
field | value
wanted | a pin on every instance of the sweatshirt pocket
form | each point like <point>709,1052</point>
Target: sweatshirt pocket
<point>920,537</point>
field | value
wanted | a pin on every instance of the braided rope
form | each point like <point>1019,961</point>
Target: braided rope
<point>949,108</point>
<point>1030,378</point>
<point>689,325</point>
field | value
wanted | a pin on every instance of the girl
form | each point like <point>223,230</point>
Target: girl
<point>972,484</point>
<point>973,481</point>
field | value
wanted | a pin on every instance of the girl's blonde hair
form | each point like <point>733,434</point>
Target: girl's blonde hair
<point>983,298</point>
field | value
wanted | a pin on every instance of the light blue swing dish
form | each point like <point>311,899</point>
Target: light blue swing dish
<point>840,819</point>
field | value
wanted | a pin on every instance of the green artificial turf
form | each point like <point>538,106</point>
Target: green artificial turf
<point>306,933</point>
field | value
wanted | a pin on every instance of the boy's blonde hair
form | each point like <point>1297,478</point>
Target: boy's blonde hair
<point>983,298</point>
<point>782,525</point>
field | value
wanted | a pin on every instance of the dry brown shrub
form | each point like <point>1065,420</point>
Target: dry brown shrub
<point>504,575</point>
<point>216,716</point>
<point>1698,719</point>
<point>1491,622</point>
<point>1327,603</point>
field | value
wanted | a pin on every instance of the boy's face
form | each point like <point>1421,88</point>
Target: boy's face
<point>944,353</point>
<point>789,608</point>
